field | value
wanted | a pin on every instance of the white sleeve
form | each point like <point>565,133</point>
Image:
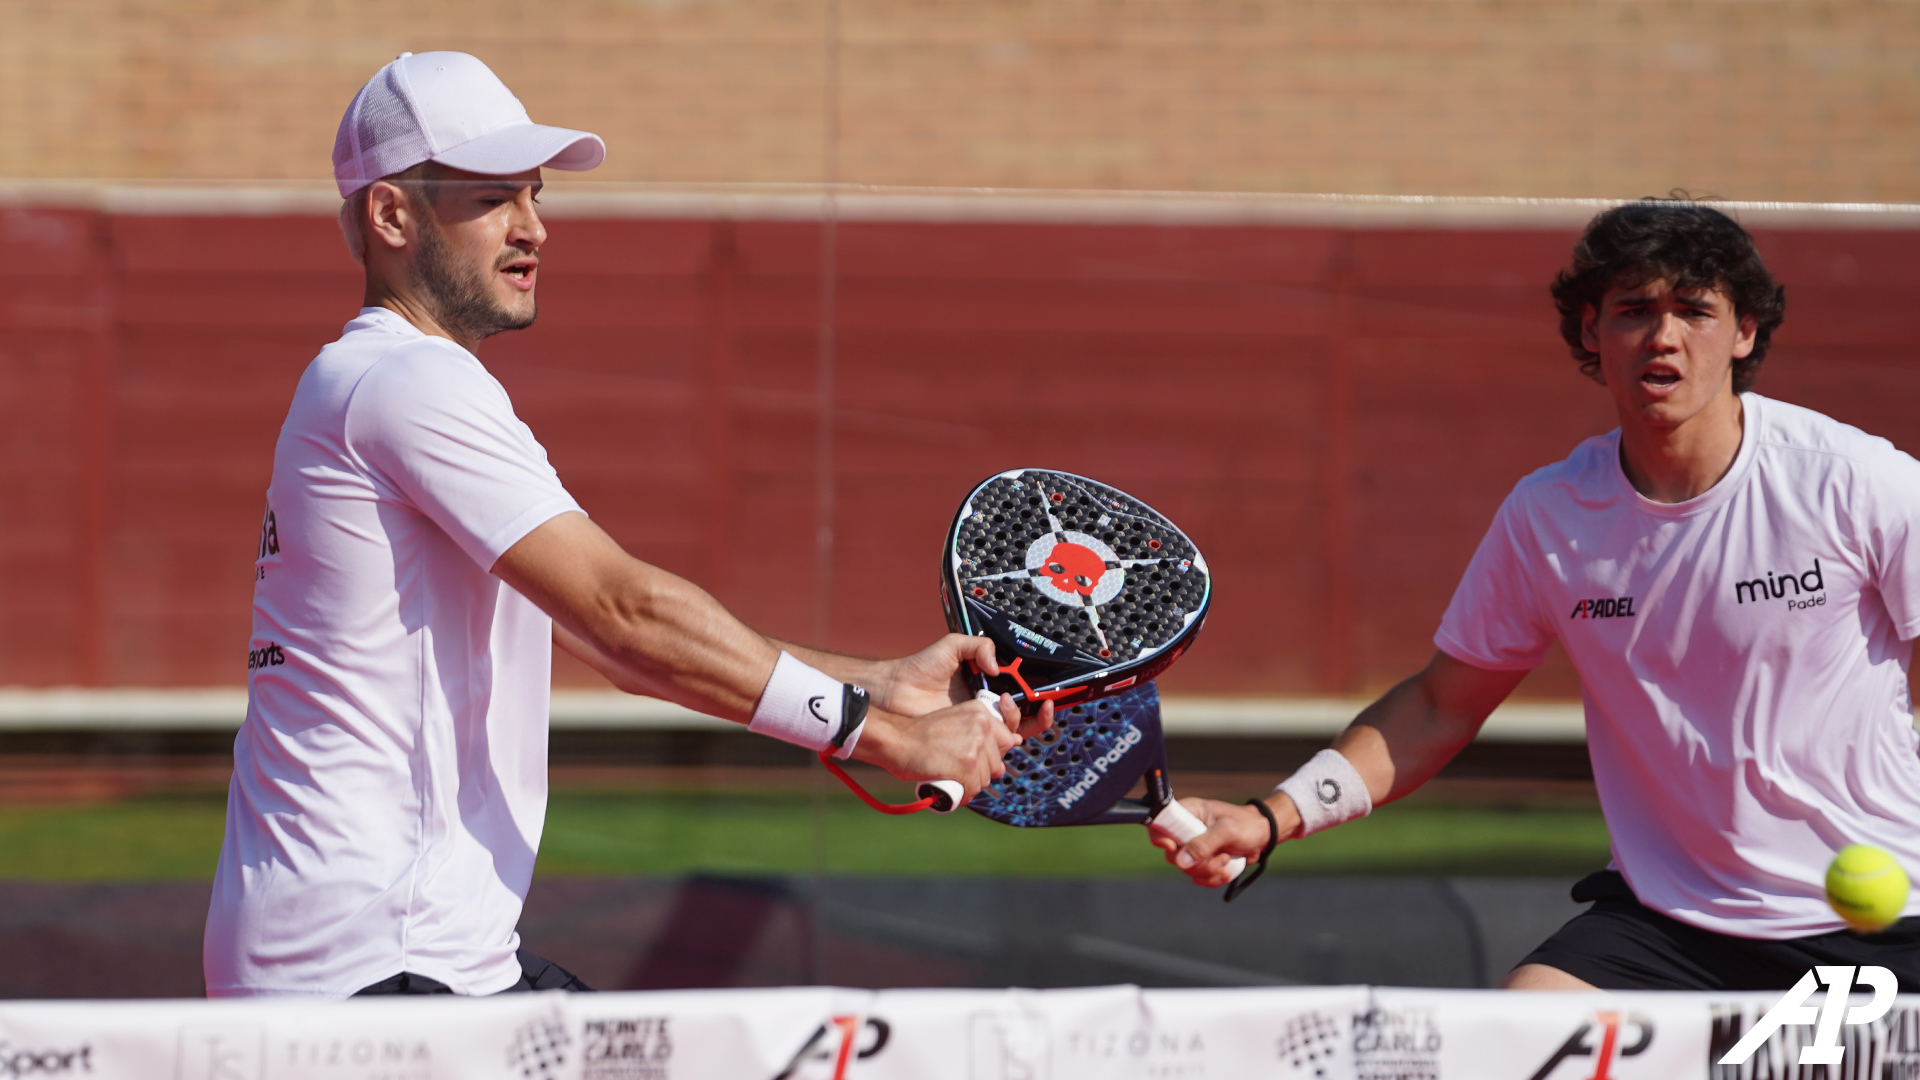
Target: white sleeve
<point>1495,620</point>
<point>1893,550</point>
<point>440,434</point>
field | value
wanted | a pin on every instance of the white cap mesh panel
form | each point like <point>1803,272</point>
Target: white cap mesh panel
<point>419,107</point>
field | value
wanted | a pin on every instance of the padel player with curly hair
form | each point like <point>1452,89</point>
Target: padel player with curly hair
<point>1737,581</point>
<point>417,562</point>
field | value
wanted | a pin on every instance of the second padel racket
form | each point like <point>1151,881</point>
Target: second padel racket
<point>1081,770</point>
<point>1084,589</point>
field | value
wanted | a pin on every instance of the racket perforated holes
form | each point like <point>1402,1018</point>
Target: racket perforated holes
<point>1038,769</point>
<point>996,537</point>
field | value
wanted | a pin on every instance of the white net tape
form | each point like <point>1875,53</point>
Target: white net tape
<point>1336,1033</point>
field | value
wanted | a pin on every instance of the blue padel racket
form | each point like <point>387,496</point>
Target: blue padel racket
<point>1081,770</point>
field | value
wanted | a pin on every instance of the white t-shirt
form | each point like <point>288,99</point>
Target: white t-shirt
<point>389,783</point>
<point>1743,657</point>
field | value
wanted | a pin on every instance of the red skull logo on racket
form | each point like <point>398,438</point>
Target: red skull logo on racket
<point>1075,569</point>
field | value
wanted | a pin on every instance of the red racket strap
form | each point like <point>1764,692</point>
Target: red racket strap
<point>866,797</point>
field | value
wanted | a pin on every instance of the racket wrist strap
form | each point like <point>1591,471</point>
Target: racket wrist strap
<point>1253,871</point>
<point>1327,790</point>
<point>807,707</point>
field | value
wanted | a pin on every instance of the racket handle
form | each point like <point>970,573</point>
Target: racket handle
<point>946,794</point>
<point>1178,822</point>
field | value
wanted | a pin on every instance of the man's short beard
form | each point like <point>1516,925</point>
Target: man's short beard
<point>462,296</point>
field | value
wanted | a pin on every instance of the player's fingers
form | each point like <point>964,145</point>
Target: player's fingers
<point>1214,873</point>
<point>1195,853</point>
<point>991,767</point>
<point>1038,723</point>
<point>1009,712</point>
<point>979,650</point>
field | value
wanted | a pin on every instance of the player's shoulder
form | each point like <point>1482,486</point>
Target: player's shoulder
<point>397,370</point>
<point>1798,434</point>
<point>380,340</point>
<point>1587,474</point>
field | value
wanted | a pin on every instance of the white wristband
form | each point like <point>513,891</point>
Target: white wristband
<point>808,707</point>
<point>1327,791</point>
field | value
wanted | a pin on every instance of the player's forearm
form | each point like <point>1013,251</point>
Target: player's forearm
<point>676,641</point>
<point>1395,745</point>
<point>648,631</point>
<point>1400,741</point>
<point>868,673</point>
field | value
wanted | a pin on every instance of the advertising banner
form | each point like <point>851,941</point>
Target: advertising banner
<point>1827,1029</point>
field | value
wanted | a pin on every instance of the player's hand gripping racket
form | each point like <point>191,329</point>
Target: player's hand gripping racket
<point>1087,594</point>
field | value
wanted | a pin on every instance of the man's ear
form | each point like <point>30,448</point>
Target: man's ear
<point>1590,328</point>
<point>389,215</point>
<point>1749,333</point>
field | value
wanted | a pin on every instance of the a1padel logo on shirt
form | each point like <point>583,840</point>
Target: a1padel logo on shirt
<point>1605,607</point>
<point>1799,590</point>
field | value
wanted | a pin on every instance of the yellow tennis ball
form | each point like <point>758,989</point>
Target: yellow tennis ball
<point>1866,887</point>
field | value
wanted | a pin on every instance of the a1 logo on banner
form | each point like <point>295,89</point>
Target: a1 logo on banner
<point>835,1045</point>
<point>1599,1043</point>
<point>1834,1011</point>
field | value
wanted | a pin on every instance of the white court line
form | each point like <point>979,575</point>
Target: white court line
<point>223,708</point>
<point>565,198</point>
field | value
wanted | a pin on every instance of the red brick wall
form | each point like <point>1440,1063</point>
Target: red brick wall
<point>1813,100</point>
<point>1333,414</point>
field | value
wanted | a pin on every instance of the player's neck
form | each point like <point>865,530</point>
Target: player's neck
<point>1677,462</point>
<point>412,307</point>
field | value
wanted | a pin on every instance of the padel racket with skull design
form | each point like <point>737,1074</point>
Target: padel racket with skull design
<point>1087,593</point>
<point>1084,589</point>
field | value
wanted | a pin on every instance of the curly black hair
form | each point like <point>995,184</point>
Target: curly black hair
<point>1676,239</point>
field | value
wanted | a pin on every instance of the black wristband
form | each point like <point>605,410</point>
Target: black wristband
<point>1252,873</point>
<point>853,713</point>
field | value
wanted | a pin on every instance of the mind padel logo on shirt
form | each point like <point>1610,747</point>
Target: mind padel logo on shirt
<point>1799,590</point>
<point>1606,607</point>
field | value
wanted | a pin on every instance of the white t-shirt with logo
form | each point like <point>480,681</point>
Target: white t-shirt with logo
<point>389,783</point>
<point>1743,657</point>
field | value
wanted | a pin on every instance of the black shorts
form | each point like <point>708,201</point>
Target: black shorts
<point>536,973</point>
<point>1620,944</point>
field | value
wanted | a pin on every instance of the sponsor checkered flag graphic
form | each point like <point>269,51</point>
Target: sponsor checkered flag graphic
<point>539,1048</point>
<point>1308,1044</point>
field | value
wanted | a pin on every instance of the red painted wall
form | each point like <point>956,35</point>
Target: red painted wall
<point>1332,414</point>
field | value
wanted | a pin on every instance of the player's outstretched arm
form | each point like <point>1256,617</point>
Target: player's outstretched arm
<point>928,680</point>
<point>655,633</point>
<point>1395,745</point>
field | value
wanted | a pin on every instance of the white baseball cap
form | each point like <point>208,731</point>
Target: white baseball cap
<point>450,108</point>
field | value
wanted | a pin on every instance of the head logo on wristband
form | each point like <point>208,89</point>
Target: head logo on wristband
<point>807,707</point>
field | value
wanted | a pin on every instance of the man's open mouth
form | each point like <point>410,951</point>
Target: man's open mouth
<point>521,271</point>
<point>1660,376</point>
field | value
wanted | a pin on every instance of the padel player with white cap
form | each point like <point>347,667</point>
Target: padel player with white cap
<point>1737,580</point>
<point>417,561</point>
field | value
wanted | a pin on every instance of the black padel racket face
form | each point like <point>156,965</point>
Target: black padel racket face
<point>1079,772</point>
<point>1085,590</point>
